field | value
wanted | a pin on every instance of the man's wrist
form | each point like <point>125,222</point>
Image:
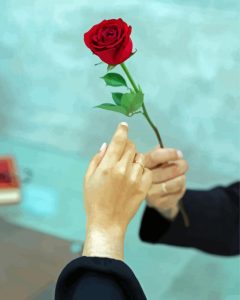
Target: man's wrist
<point>169,213</point>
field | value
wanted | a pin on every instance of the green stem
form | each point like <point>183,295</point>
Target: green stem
<point>125,69</point>
<point>145,113</point>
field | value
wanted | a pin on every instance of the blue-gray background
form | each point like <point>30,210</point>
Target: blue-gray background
<point>187,63</point>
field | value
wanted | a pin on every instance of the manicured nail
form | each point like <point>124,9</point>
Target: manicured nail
<point>103,147</point>
<point>180,154</point>
<point>124,123</point>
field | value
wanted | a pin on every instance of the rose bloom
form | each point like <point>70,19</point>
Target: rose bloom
<point>110,41</point>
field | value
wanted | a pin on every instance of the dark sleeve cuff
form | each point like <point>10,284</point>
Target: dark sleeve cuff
<point>153,225</point>
<point>98,278</point>
<point>214,222</point>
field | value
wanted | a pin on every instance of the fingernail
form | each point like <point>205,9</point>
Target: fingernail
<point>180,154</point>
<point>102,147</point>
<point>124,123</point>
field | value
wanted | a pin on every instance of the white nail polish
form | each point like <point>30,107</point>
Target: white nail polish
<point>124,123</point>
<point>180,154</point>
<point>102,147</point>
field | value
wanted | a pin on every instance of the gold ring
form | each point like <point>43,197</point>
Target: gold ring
<point>164,188</point>
<point>138,162</point>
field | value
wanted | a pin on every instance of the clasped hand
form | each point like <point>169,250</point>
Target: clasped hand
<point>118,179</point>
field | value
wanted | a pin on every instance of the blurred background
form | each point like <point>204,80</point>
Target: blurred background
<point>187,63</point>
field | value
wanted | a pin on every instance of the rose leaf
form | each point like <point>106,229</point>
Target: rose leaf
<point>114,79</point>
<point>117,98</point>
<point>112,107</point>
<point>132,102</point>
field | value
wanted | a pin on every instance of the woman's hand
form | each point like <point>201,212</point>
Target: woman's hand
<point>168,180</point>
<point>114,187</point>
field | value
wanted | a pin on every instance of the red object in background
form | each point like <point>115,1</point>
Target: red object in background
<point>9,183</point>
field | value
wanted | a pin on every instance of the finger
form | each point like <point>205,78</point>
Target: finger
<point>168,187</point>
<point>169,171</point>
<point>165,202</point>
<point>158,156</point>
<point>116,146</point>
<point>95,161</point>
<point>175,185</point>
<point>146,180</point>
<point>136,168</point>
<point>171,200</point>
<point>128,156</point>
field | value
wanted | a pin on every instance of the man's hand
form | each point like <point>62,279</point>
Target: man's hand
<point>168,180</point>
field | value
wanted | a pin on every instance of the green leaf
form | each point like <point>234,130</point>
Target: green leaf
<point>110,67</point>
<point>117,98</point>
<point>112,107</point>
<point>132,101</point>
<point>114,79</point>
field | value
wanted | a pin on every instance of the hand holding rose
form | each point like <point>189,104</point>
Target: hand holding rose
<point>169,180</point>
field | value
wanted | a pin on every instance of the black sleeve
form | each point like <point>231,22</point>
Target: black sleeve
<point>94,278</point>
<point>214,222</point>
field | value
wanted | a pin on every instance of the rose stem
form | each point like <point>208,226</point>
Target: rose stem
<point>145,113</point>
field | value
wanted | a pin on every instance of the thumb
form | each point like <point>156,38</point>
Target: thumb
<point>96,160</point>
<point>158,156</point>
<point>149,161</point>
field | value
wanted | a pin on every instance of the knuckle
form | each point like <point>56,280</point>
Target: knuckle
<point>105,171</point>
<point>118,172</point>
<point>132,181</point>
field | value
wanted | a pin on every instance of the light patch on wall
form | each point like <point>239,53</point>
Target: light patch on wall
<point>39,200</point>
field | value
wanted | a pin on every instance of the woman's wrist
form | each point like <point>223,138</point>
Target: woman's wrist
<point>104,242</point>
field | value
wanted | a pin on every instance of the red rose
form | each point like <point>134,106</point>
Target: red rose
<point>110,40</point>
